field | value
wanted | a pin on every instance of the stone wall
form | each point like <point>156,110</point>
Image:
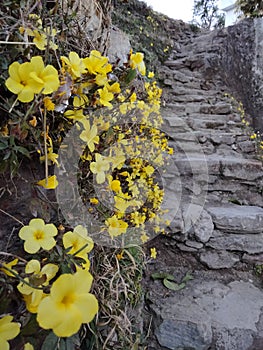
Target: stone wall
<point>241,65</point>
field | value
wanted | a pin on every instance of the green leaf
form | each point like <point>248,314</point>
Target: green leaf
<point>23,150</point>
<point>50,342</point>
<point>3,145</point>
<point>130,76</point>
<point>187,277</point>
<point>172,285</point>
<point>162,275</point>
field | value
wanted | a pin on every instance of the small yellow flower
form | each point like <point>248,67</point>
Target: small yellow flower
<point>90,135</point>
<point>116,227</point>
<point>94,201</point>
<point>38,235</point>
<point>40,39</point>
<point>99,167</point>
<point>69,304</point>
<point>50,183</point>
<point>253,136</point>
<point>136,61</point>
<point>51,156</point>
<point>144,238</point>
<point>105,97</point>
<point>8,331</point>
<point>153,253</point>
<point>150,75</point>
<point>77,240</point>
<point>9,266</point>
<point>49,105</point>
<point>75,64</point>
<point>97,64</point>
<point>38,278</point>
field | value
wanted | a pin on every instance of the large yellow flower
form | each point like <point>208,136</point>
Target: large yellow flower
<point>38,235</point>
<point>99,167</point>
<point>8,331</point>
<point>30,78</point>
<point>79,241</point>
<point>69,304</point>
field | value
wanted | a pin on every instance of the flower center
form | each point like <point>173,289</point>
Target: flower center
<point>68,299</point>
<point>38,235</point>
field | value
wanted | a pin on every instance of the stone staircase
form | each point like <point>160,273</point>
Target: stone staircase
<point>214,186</point>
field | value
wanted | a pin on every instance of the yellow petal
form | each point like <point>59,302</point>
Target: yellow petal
<point>50,183</point>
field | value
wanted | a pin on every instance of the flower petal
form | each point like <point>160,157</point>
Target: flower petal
<point>88,305</point>
<point>31,246</point>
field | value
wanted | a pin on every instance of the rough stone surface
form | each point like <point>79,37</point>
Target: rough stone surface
<point>219,259</point>
<point>252,244</point>
<point>209,312</point>
<point>238,218</point>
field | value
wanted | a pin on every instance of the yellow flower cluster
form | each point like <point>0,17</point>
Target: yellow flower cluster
<point>45,290</point>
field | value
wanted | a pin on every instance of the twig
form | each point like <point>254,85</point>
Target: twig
<point>11,216</point>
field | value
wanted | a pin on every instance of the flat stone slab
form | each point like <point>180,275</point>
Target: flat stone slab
<point>237,218</point>
<point>251,244</point>
<point>219,259</point>
<point>210,315</point>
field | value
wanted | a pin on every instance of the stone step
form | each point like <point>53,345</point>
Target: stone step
<point>228,167</point>
<point>237,218</point>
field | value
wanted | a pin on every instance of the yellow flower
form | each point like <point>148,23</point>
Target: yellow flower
<point>49,105</point>
<point>75,64</point>
<point>51,156</point>
<point>9,266</point>
<point>114,88</point>
<point>144,238</point>
<point>253,136</point>
<point>77,240</point>
<point>153,253</point>
<point>99,167</point>
<point>150,75</point>
<point>136,61</point>
<point>38,277</point>
<point>33,122</point>
<point>38,235</point>
<point>105,97</point>
<point>94,201</point>
<point>116,227</point>
<point>69,304</point>
<point>97,64</point>
<point>115,185</point>
<point>8,331</point>
<point>50,183</point>
<point>30,78</point>
<point>40,39</point>
<point>89,135</point>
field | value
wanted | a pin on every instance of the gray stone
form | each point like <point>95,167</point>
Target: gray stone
<point>219,259</point>
<point>177,334</point>
<point>194,244</point>
<point>119,46</point>
<point>207,312</point>
<point>241,168</point>
<point>238,218</point>
<point>253,259</point>
<point>252,244</point>
<point>233,339</point>
<point>203,227</point>
<point>185,248</point>
<point>220,108</point>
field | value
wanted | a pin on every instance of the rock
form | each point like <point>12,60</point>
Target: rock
<point>253,259</point>
<point>220,108</point>
<point>243,169</point>
<point>210,315</point>
<point>194,244</point>
<point>177,334</point>
<point>119,46</point>
<point>252,244</point>
<point>238,218</point>
<point>219,259</point>
<point>203,227</point>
